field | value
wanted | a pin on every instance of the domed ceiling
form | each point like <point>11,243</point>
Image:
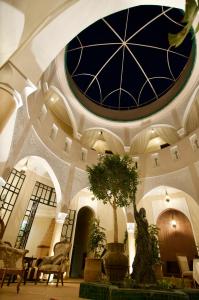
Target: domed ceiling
<point>122,67</point>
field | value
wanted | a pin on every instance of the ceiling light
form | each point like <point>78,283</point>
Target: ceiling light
<point>167,198</point>
<point>173,223</point>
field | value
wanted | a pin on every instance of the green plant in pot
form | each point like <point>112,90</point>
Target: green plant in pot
<point>157,263</point>
<point>153,232</point>
<point>113,180</point>
<point>96,246</point>
<point>96,239</point>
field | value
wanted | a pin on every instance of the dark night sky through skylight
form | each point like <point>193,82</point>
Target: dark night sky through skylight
<point>124,61</point>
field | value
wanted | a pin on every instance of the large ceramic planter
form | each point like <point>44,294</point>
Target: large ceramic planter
<point>158,271</point>
<point>93,269</point>
<point>116,262</point>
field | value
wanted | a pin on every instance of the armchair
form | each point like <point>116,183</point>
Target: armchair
<point>11,262</point>
<point>56,264</point>
<point>184,268</point>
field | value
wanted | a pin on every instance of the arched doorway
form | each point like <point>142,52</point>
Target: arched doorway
<point>84,216</point>
<point>175,237</point>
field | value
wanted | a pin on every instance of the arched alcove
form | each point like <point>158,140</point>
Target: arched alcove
<point>84,216</point>
<point>107,141</point>
<point>154,138</point>
<point>175,237</point>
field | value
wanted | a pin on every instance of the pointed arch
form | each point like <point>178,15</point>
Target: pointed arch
<point>39,165</point>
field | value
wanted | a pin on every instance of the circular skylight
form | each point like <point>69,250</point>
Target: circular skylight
<point>122,67</point>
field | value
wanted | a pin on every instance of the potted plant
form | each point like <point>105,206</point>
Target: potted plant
<point>96,245</point>
<point>157,264</point>
<point>113,180</point>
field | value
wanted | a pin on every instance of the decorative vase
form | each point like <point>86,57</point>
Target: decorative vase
<point>116,262</point>
<point>93,269</point>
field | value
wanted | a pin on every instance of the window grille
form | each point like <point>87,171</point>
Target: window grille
<point>10,192</point>
<point>67,229</point>
<point>41,194</point>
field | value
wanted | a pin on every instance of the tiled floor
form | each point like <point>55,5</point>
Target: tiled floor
<point>41,291</point>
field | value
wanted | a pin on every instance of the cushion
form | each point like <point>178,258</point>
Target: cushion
<point>57,259</point>
<point>49,268</point>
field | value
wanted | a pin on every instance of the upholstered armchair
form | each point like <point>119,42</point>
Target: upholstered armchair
<point>11,262</point>
<point>184,268</point>
<point>56,264</point>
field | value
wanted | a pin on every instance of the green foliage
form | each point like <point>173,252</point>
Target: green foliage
<point>165,284</point>
<point>97,238</point>
<point>191,10</point>
<point>153,232</point>
<point>113,180</point>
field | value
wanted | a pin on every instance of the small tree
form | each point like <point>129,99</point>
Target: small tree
<point>96,238</point>
<point>114,180</point>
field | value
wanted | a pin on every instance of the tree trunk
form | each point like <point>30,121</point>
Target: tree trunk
<point>143,272</point>
<point>115,223</point>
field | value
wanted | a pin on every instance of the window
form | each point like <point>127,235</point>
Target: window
<point>10,192</point>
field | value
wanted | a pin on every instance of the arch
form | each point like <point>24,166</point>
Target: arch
<point>114,142</point>
<point>140,141</point>
<point>31,162</point>
<point>175,237</point>
<point>80,246</point>
<point>176,196</point>
<point>189,107</point>
<point>69,111</point>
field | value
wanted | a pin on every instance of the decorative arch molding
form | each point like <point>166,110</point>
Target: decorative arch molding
<point>69,111</point>
<point>150,127</point>
<point>80,181</point>
<point>180,180</point>
<point>144,136</point>
<point>189,106</point>
<point>176,199</point>
<point>59,169</point>
<point>13,93</point>
<point>47,166</point>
